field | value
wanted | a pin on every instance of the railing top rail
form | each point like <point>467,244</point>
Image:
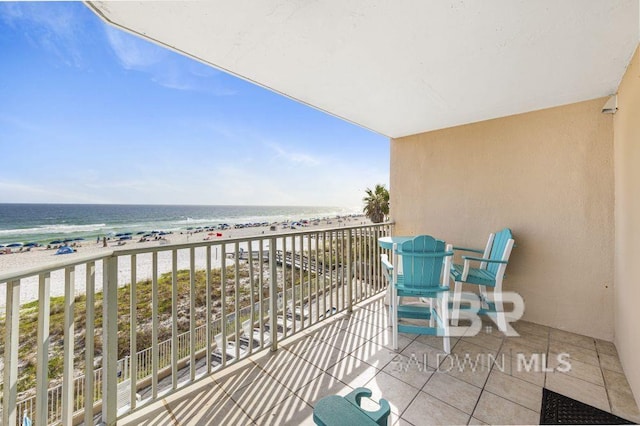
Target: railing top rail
<point>54,266</point>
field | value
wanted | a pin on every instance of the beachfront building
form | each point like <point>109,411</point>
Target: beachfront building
<point>500,114</point>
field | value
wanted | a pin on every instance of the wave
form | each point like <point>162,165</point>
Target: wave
<point>54,229</point>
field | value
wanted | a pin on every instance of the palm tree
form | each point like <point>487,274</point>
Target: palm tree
<point>376,203</point>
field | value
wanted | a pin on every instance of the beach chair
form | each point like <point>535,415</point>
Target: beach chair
<point>425,265</point>
<point>488,273</point>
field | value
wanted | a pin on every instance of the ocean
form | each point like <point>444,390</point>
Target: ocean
<point>42,223</point>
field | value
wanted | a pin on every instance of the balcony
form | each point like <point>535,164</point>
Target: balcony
<point>328,335</point>
<point>166,317</point>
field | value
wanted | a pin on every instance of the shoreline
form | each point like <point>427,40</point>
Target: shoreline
<point>40,256</point>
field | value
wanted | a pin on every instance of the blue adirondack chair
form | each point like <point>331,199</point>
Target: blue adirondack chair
<point>488,273</point>
<point>337,410</point>
<point>425,262</point>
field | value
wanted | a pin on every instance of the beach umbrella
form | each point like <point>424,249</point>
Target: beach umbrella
<point>125,237</point>
<point>31,245</point>
<point>1,246</point>
<point>64,250</point>
<point>119,234</point>
<point>141,233</point>
<point>14,245</point>
<point>56,242</point>
<point>78,239</point>
<point>68,240</point>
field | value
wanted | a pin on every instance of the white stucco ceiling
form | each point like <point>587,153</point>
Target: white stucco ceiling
<point>405,66</point>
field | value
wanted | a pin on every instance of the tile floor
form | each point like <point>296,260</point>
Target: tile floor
<point>422,384</point>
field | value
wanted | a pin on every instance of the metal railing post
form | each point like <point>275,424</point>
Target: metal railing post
<point>69,340</point>
<point>10,383</point>
<point>192,314</point>
<point>349,275</point>
<point>208,338</point>
<point>42,372</point>
<point>174,319</point>
<point>236,301</point>
<point>273,294</point>
<point>89,382</point>
<point>155,352</point>
<point>223,304</point>
<point>110,343</point>
<point>133,331</point>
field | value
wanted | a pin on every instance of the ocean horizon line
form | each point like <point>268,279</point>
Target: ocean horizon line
<point>178,205</point>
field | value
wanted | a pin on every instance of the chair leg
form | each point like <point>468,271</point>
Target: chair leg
<point>502,321</point>
<point>390,297</point>
<point>445,321</point>
<point>432,317</point>
<point>484,298</point>
<point>394,338</point>
<point>457,294</point>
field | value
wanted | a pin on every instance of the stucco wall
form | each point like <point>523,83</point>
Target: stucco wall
<point>627,264</point>
<point>547,175</point>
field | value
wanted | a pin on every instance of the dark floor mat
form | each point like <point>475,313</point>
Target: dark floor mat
<point>561,410</point>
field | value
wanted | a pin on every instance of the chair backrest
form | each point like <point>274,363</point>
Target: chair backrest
<point>500,242</point>
<point>422,259</point>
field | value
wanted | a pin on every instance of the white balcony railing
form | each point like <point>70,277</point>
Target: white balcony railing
<point>203,307</point>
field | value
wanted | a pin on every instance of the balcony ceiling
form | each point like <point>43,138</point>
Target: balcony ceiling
<point>403,67</point>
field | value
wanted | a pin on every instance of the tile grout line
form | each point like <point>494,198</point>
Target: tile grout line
<point>414,398</point>
<point>295,392</point>
<point>428,380</point>
<point>544,382</point>
<point>228,395</point>
<point>436,372</point>
<point>513,402</point>
<point>445,402</point>
<point>482,390</point>
<point>606,388</point>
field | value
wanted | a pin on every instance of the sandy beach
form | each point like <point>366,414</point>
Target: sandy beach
<point>40,256</point>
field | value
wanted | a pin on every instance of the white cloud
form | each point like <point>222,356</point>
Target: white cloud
<point>54,28</point>
<point>164,67</point>
<point>292,156</point>
<point>59,23</point>
<point>134,54</point>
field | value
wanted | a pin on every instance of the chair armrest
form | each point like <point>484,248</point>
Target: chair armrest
<point>469,249</point>
<point>469,259</point>
<point>385,262</point>
<point>482,259</point>
<point>380,415</point>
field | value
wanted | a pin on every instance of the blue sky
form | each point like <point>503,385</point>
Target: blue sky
<point>90,114</point>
